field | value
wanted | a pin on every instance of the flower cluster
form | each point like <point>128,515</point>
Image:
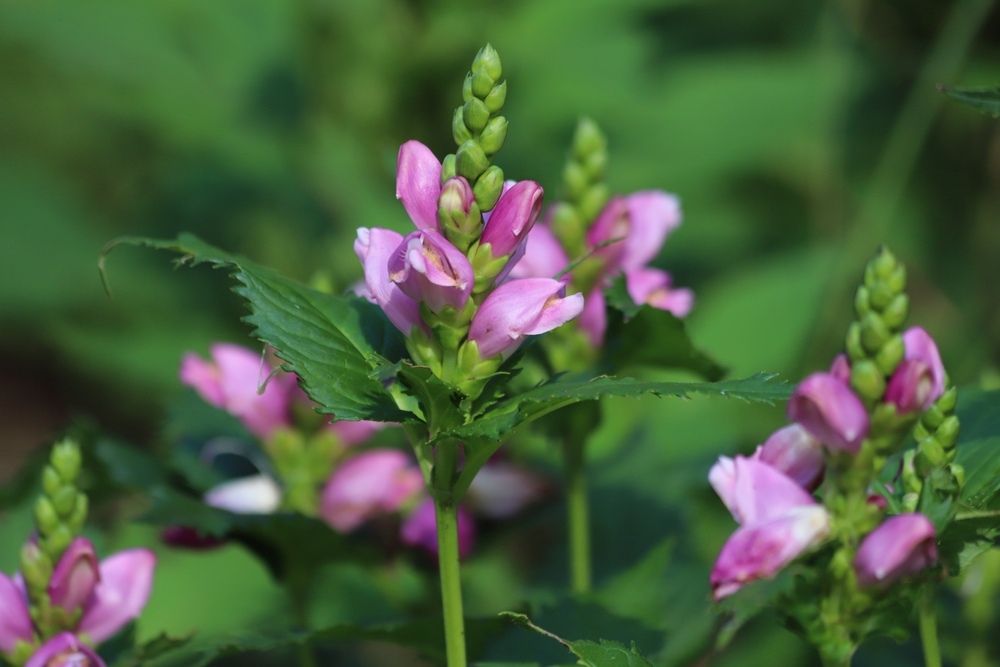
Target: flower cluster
<point>847,422</point>
<point>63,601</point>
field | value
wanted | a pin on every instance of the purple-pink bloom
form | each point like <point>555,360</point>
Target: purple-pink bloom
<point>15,621</point>
<point>371,483</point>
<point>519,308</point>
<point>754,491</point>
<point>511,220</point>
<point>236,380</point>
<point>501,490</point>
<point>64,650</point>
<point>841,368</point>
<point>374,247</point>
<point>420,529</point>
<point>75,576</point>
<point>653,214</point>
<point>355,433</point>
<point>543,257</point>
<point>593,319</point>
<point>429,269</point>
<point>418,183</point>
<point>902,545</point>
<point>760,550</point>
<point>655,287</point>
<point>795,453</point>
<point>126,582</point>
<point>919,379</point>
<point>828,409</point>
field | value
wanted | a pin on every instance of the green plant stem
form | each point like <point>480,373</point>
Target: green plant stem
<point>446,514</point>
<point>578,511</point>
<point>928,628</point>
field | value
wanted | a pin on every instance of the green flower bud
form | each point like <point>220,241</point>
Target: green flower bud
<point>475,114</point>
<point>65,458</point>
<point>495,100</point>
<point>64,500</point>
<point>890,355</point>
<point>595,164</point>
<point>592,203</point>
<point>467,88</point>
<point>459,132</point>
<point>448,166</point>
<point>488,188</point>
<point>51,481</point>
<point>910,500</point>
<point>883,265</point>
<point>861,301</point>
<point>493,135</point>
<point>880,295</point>
<point>933,417</point>
<point>488,60</point>
<point>852,343</point>
<point>928,458</point>
<point>959,472</point>
<point>56,543</point>
<point>947,401</point>
<point>947,433</point>
<point>874,333</point>
<point>568,228</point>
<point>36,567</point>
<point>470,162</point>
<point>78,516</point>
<point>897,281</point>
<point>482,83</point>
<point>920,432</point>
<point>894,314</point>
<point>867,380</point>
<point>46,517</point>
<point>588,140</point>
<point>575,179</point>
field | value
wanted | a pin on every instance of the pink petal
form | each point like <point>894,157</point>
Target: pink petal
<point>512,218</point>
<point>501,490</point>
<point>543,256</point>
<point>653,214</point>
<point>829,410</point>
<point>418,183</point>
<point>376,246</point>
<point>351,434</point>
<point>593,320</point>
<point>901,546</point>
<point>375,482</point>
<point>75,576</point>
<point>15,622</point>
<point>654,287</point>
<point>795,453</point>
<point>126,581</point>
<point>64,650</point>
<point>429,269</point>
<point>754,491</point>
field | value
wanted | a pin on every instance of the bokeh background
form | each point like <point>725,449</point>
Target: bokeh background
<point>798,134</point>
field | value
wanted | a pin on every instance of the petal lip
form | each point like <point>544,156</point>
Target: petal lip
<point>653,214</point>
<point>513,218</point>
<point>377,246</point>
<point>901,546</point>
<point>126,582</point>
<point>65,650</point>
<point>418,183</point>
<point>15,621</point>
<point>828,409</point>
<point>793,451</point>
<point>75,575</point>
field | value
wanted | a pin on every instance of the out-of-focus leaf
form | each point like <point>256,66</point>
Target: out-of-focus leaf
<point>986,100</point>
<point>333,343</point>
<point>751,600</point>
<point>647,336</point>
<point>152,649</point>
<point>502,418</point>
<point>602,653</point>
<point>978,449</point>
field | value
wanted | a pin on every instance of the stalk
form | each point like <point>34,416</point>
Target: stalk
<point>578,520</point>
<point>928,628</point>
<point>446,514</point>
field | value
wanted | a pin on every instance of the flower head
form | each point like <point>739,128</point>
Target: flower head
<point>375,482</point>
<point>902,545</point>
<point>827,408</point>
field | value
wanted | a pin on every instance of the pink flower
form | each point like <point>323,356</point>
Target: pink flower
<point>513,217</point>
<point>420,529</point>
<point>901,546</point>
<point>75,576</point>
<point>236,380</point>
<point>655,287</point>
<point>374,247</point>
<point>371,483</point>
<point>519,308</point>
<point>543,257</point>
<point>64,650</point>
<point>15,621</point>
<point>829,410</point>
<point>919,379</point>
<point>418,183</point>
<point>779,521</point>
<point>797,454</point>
<point>126,579</point>
<point>429,269</point>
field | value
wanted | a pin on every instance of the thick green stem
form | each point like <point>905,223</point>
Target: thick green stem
<point>446,514</point>
<point>928,628</point>
<point>578,519</point>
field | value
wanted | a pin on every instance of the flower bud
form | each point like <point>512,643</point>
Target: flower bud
<point>75,576</point>
<point>852,343</point>
<point>947,433</point>
<point>66,460</point>
<point>459,132</point>
<point>475,114</point>
<point>874,333</point>
<point>488,60</point>
<point>482,83</point>
<point>830,411</point>
<point>458,214</point>
<point>894,314</point>
<point>867,380</point>
<point>910,387</point>
<point>888,358</point>
<point>901,546</point>
<point>862,304</point>
<point>470,160</point>
<point>46,517</point>
<point>379,481</point>
<point>489,188</point>
<point>418,183</point>
<point>495,100</point>
<point>512,218</point>
<point>493,135</point>
<point>448,168</point>
<point>880,295</point>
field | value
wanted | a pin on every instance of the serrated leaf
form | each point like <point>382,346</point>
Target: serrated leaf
<point>646,336</point>
<point>986,100</point>
<point>507,415</point>
<point>333,343</point>
<point>602,653</point>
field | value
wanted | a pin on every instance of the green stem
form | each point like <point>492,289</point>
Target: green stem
<point>578,519</point>
<point>446,514</point>
<point>928,628</point>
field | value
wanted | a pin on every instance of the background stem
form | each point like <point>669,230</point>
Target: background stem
<point>578,515</point>
<point>446,514</point>
<point>928,628</point>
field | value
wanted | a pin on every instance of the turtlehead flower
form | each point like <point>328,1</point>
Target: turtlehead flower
<point>510,221</point>
<point>655,287</point>
<point>919,379</point>
<point>237,380</point>
<point>64,650</point>
<point>779,521</point>
<point>374,247</point>
<point>376,482</point>
<point>418,183</point>
<point>429,269</point>
<point>420,529</point>
<point>797,454</point>
<point>902,545</point>
<point>827,408</point>
<point>521,308</point>
<point>74,576</point>
<point>15,621</point>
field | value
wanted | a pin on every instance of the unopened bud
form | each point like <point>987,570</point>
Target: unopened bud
<point>852,343</point>
<point>66,460</point>
<point>467,88</point>
<point>57,541</point>
<point>874,333</point>
<point>888,358</point>
<point>51,482</point>
<point>459,132</point>
<point>448,168</point>
<point>488,188</point>
<point>46,517</point>
<point>493,136</point>
<point>909,501</point>
<point>64,500</point>
<point>488,60</point>
<point>495,100</point>
<point>592,203</point>
<point>588,139</point>
<point>482,83</point>
<point>894,314</point>
<point>575,179</point>
<point>880,295</point>
<point>947,433</point>
<point>470,161</point>
<point>884,264</point>
<point>897,281</point>
<point>475,114</point>
<point>862,303</point>
<point>948,399</point>
<point>867,380</point>
<point>959,472</point>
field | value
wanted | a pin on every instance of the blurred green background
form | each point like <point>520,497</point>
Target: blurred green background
<point>798,134</point>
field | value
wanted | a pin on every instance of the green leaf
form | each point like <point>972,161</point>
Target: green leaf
<point>157,647</point>
<point>986,100</point>
<point>602,653</point>
<point>505,416</point>
<point>647,336</point>
<point>978,449</point>
<point>333,343</point>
